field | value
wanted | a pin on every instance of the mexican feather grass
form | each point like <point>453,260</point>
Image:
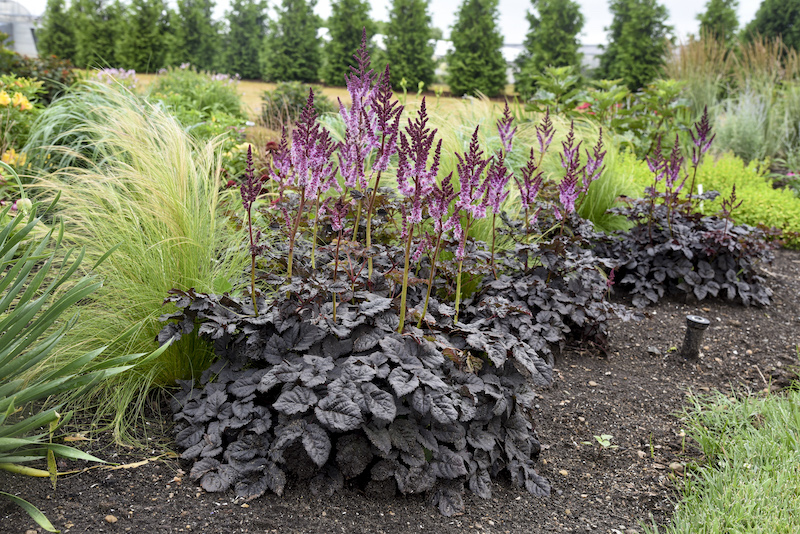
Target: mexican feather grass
<point>151,190</point>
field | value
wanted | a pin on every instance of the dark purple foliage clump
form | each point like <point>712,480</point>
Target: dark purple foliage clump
<point>672,248</point>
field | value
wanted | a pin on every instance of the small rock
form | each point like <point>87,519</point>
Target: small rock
<point>748,352</point>
<point>654,351</point>
<point>31,532</point>
<point>593,384</point>
<point>641,454</point>
<point>563,472</point>
<point>677,467</point>
<point>111,519</point>
<point>631,531</point>
<point>659,466</point>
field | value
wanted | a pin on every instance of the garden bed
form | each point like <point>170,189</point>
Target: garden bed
<point>633,395</point>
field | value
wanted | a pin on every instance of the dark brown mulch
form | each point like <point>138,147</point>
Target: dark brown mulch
<point>633,395</point>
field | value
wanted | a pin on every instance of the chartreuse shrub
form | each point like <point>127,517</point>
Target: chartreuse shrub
<point>355,352</point>
<point>148,188</point>
<point>749,481</point>
<point>40,285</point>
<point>761,203</point>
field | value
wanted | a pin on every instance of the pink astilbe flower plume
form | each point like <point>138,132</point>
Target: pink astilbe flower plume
<point>545,132</point>
<point>311,151</point>
<point>359,120</point>
<point>281,169</point>
<point>470,168</point>
<point>505,131</point>
<point>439,206</point>
<point>251,187</point>
<point>531,182</point>
<point>414,180</point>
<point>568,188</point>
<point>338,214</point>
<point>594,164</point>
<point>673,167</point>
<point>497,178</point>
<point>387,112</point>
<point>702,139</point>
<point>656,162</point>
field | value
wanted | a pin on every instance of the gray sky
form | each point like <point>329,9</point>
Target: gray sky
<point>513,23</point>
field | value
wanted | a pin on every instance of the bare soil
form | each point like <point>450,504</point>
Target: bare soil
<point>635,394</point>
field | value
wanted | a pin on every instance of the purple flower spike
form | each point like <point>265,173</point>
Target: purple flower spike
<point>439,205</point>
<point>497,178</point>
<point>594,164</point>
<point>531,182</point>
<point>387,112</point>
<point>702,141</point>
<point>470,168</point>
<point>360,135</point>
<point>338,214</point>
<point>414,179</point>
<point>567,194</point>
<point>672,167</point>
<point>570,153</point>
<point>311,152</point>
<point>545,132</point>
<point>505,131</point>
<point>656,162</point>
<point>251,187</point>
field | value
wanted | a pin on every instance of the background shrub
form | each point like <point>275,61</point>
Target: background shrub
<point>282,106</point>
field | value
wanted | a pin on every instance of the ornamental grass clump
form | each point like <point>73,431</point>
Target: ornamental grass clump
<point>356,366</point>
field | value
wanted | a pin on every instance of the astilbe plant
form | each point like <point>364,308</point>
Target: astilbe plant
<point>672,248</point>
<point>327,380</point>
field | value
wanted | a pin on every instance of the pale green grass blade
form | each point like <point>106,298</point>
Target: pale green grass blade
<point>32,511</point>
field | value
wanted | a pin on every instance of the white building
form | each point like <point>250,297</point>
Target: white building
<point>18,23</point>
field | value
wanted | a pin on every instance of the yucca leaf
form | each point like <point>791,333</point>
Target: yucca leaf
<point>32,511</point>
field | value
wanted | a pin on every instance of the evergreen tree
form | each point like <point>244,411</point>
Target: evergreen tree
<point>347,21</point>
<point>96,27</point>
<point>143,45</point>
<point>409,43</point>
<point>196,34</point>
<point>476,62</point>
<point>55,36</point>
<point>292,51</point>
<point>777,18</point>
<point>552,41</point>
<point>720,20</point>
<point>247,26</point>
<point>638,40</point>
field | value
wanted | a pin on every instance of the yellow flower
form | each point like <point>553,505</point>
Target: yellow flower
<point>4,99</point>
<point>21,101</point>
<point>11,157</point>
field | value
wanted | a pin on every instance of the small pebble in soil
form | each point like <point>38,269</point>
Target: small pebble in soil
<point>677,467</point>
<point>111,519</point>
<point>563,472</point>
<point>592,383</point>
